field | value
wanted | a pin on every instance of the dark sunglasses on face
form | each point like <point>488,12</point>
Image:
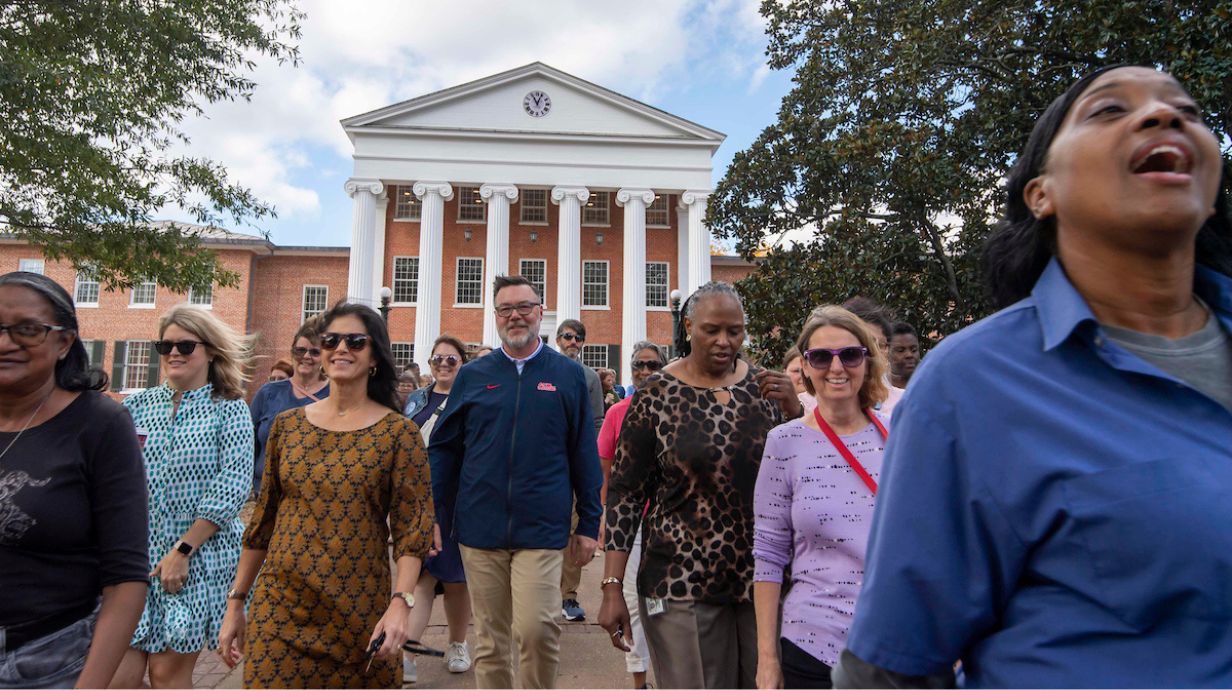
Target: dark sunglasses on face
<point>30,333</point>
<point>438,360</point>
<point>523,308</point>
<point>299,352</point>
<point>820,357</point>
<point>651,364</point>
<point>354,341</point>
<point>184,347</point>
<point>570,337</point>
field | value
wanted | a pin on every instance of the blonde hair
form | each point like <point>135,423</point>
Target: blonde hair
<point>873,390</point>
<point>231,352</point>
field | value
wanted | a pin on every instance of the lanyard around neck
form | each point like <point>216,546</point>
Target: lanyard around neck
<point>842,447</point>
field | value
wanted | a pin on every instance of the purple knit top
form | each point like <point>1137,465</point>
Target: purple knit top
<point>813,512</point>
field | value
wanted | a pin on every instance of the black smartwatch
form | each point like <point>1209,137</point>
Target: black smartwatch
<point>183,547</point>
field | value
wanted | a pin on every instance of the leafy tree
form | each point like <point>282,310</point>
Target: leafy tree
<point>904,120</point>
<point>91,96</point>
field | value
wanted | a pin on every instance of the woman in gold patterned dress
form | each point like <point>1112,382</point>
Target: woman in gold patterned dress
<point>336,470</point>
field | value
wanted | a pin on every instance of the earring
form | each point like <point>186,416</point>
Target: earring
<point>687,337</point>
<point>372,372</point>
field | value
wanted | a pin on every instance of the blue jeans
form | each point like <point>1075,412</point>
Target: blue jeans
<point>51,661</point>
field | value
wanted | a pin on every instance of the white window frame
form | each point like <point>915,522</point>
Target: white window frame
<point>303,303</point>
<point>607,286</point>
<point>543,294</point>
<point>475,204</point>
<point>667,211</point>
<point>394,347</point>
<point>587,348</point>
<point>396,280</point>
<point>667,286</point>
<point>28,265</point>
<point>457,283</point>
<point>132,299</point>
<point>592,205</point>
<point>81,281</point>
<point>141,368</point>
<point>413,205</point>
<point>192,295</point>
<point>523,195</point>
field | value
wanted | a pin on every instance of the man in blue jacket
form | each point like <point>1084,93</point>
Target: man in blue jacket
<point>513,449</point>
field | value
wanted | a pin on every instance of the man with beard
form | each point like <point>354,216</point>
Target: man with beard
<point>512,452</point>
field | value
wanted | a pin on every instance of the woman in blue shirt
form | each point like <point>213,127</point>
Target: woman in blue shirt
<point>1055,509</point>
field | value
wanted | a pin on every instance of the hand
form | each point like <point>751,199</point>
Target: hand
<point>582,549</point>
<point>231,634</point>
<point>769,674</point>
<point>172,572</point>
<point>396,626</point>
<point>775,385</point>
<point>436,540</point>
<point>614,618</point>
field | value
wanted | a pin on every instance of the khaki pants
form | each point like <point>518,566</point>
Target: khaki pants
<point>570,573</point>
<point>696,645</point>
<point>514,595</point>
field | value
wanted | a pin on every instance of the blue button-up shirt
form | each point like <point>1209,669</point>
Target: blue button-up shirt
<point>1054,511</point>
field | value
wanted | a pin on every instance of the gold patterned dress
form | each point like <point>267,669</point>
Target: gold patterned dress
<point>322,517</point>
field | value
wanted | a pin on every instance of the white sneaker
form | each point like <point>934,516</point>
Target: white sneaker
<point>410,673</point>
<point>458,657</point>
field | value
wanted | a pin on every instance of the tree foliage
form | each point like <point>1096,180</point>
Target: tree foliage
<point>904,120</point>
<point>92,93</point>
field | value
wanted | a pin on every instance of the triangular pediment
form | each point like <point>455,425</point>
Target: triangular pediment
<point>498,104</point>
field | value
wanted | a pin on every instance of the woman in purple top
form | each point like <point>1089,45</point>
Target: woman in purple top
<point>814,503</point>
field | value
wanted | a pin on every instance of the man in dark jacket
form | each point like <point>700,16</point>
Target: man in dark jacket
<point>513,450</point>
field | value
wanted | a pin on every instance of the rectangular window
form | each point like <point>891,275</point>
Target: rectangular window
<point>143,294</point>
<point>469,291</point>
<point>137,365</point>
<point>407,206</point>
<point>32,265</point>
<point>534,205</point>
<point>404,353</point>
<point>470,204</point>
<point>657,281</point>
<point>536,271</point>
<point>594,283</point>
<point>92,355</point>
<point>204,298</point>
<point>594,356</point>
<point>597,209</point>
<point>315,299</point>
<point>656,212</point>
<point>85,291</point>
<point>406,279</point>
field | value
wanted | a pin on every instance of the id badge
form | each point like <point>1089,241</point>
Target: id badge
<point>655,607</point>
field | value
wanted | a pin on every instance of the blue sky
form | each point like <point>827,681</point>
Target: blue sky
<point>700,59</point>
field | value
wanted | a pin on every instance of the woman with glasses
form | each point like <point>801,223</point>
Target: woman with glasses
<point>345,474</point>
<point>73,521</point>
<point>197,446</point>
<point>444,565</point>
<point>306,385</point>
<point>814,502</point>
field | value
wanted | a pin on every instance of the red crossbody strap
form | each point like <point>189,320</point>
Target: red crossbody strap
<point>847,454</point>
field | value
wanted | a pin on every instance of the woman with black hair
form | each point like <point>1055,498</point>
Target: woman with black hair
<point>1055,509</point>
<point>73,521</point>
<point>343,475</point>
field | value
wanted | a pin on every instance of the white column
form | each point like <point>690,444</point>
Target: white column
<point>431,239</point>
<point>699,239</point>
<point>569,251</point>
<point>682,249</point>
<point>378,251</point>
<point>498,197</point>
<point>361,285</point>
<point>633,303</point>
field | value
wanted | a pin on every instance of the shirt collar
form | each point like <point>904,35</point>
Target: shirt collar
<point>515,360</point>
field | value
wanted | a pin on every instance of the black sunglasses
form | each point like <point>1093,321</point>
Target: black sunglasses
<point>354,341</point>
<point>570,337</point>
<point>185,347</point>
<point>651,364</point>
<point>299,352</point>
<point>820,357</point>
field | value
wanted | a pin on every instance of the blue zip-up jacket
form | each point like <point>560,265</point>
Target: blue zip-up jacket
<point>510,453</point>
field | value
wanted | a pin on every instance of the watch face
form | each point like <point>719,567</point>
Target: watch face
<point>537,104</point>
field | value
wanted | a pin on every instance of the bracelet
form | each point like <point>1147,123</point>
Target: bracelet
<point>236,594</point>
<point>610,581</point>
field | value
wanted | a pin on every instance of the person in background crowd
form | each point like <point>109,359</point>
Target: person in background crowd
<point>570,338</point>
<point>793,366</point>
<point>512,452</point>
<point>198,439</point>
<point>904,353</point>
<point>425,381</point>
<point>73,520</point>
<point>306,385</point>
<point>690,444</point>
<point>611,395</point>
<point>482,351</point>
<point>408,383</point>
<point>879,318</point>
<point>444,565</point>
<point>346,474</point>
<point>648,359</point>
<point>1056,488</point>
<point>281,371</point>
<point>814,503</point>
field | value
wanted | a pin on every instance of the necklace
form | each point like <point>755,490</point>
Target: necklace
<point>27,424</point>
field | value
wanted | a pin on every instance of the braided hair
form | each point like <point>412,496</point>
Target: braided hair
<point>714,287</point>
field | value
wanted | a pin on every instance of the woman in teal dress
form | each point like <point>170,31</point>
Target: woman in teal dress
<point>197,443</point>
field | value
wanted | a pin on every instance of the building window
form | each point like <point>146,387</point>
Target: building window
<point>85,291</point>
<point>32,265</point>
<point>143,294</point>
<point>404,353</point>
<point>597,210</point>
<point>315,299</point>
<point>470,204</point>
<point>94,352</point>
<point>204,298</point>
<point>469,290</point>
<point>594,283</point>
<point>137,365</point>
<point>657,280</point>
<point>534,205</point>
<point>595,356</point>
<point>656,212</point>
<point>407,206</point>
<point>406,279</point>
<point>536,271</point>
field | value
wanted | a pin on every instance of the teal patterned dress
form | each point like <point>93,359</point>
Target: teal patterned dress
<point>198,466</point>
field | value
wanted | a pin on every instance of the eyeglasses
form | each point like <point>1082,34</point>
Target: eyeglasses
<point>185,347</point>
<point>299,352</point>
<point>651,364</point>
<point>570,337</point>
<point>820,357</point>
<point>354,341</point>
<point>29,333</point>
<point>523,308</point>
<point>438,360</point>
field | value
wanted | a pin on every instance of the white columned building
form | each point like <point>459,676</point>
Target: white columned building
<point>433,196</point>
<point>633,317</point>
<point>361,286</point>
<point>699,239</point>
<point>569,252</point>
<point>498,198</point>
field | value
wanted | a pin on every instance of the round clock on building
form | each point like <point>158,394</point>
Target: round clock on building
<point>537,103</point>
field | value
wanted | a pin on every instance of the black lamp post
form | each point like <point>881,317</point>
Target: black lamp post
<point>386,296</point>
<point>675,300</point>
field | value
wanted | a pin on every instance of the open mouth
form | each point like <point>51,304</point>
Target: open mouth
<point>1163,158</point>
